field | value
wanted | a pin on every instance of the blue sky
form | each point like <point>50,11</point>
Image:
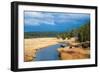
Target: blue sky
<point>53,21</point>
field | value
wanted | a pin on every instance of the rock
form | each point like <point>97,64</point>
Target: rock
<point>85,44</point>
<point>63,45</point>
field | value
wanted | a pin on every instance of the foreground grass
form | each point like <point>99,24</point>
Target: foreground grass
<point>74,53</point>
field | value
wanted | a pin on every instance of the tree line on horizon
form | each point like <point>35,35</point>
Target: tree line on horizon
<point>82,33</point>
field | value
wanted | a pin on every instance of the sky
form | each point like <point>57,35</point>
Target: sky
<point>53,21</point>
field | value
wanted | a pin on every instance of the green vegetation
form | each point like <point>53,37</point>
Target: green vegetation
<point>82,33</point>
<point>40,34</point>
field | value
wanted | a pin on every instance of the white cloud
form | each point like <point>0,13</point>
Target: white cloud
<point>37,18</point>
<point>32,14</point>
<point>32,22</point>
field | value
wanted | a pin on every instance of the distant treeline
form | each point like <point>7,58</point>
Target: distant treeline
<point>82,33</point>
<point>40,34</point>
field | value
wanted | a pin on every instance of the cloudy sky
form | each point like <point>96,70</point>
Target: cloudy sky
<point>53,21</point>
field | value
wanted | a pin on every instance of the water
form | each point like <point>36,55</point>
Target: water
<point>49,53</point>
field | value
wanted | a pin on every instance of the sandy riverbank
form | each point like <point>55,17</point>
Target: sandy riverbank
<point>74,53</point>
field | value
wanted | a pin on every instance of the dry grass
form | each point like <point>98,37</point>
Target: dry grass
<point>75,53</point>
<point>32,45</point>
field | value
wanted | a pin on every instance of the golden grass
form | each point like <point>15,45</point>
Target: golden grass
<point>75,53</point>
<point>33,44</point>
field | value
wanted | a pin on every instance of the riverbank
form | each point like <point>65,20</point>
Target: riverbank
<point>75,50</point>
<point>33,44</point>
<point>74,53</point>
